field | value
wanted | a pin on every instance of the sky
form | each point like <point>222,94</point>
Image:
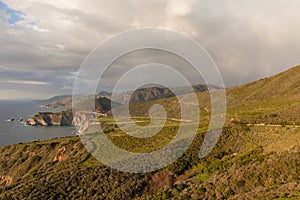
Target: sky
<point>43,43</point>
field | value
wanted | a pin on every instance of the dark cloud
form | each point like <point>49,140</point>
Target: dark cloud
<point>247,39</point>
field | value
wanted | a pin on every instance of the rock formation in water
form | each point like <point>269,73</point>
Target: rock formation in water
<point>64,118</point>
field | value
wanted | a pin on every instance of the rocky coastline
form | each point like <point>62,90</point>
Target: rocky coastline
<point>64,118</point>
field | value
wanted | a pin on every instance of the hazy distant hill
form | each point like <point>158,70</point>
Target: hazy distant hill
<point>102,104</point>
<point>142,94</point>
<point>65,101</point>
<point>53,99</point>
<point>154,93</point>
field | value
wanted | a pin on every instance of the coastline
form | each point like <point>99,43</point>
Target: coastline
<point>14,132</point>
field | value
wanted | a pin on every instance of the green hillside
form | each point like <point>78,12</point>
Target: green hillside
<point>273,100</point>
<point>283,85</point>
<point>247,163</point>
<point>257,156</point>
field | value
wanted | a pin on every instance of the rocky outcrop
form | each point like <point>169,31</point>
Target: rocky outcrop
<point>64,118</point>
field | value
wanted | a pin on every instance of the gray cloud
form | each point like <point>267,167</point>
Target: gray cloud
<point>247,39</point>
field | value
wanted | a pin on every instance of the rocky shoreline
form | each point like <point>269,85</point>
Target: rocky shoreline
<point>64,118</point>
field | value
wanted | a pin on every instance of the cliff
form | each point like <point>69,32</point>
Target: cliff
<point>64,118</point>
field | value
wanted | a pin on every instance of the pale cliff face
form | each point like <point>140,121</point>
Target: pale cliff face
<point>82,119</point>
<point>51,119</point>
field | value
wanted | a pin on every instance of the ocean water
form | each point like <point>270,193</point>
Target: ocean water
<point>17,132</point>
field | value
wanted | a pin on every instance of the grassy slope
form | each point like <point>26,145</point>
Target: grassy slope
<point>271,100</point>
<point>249,162</point>
<point>246,163</point>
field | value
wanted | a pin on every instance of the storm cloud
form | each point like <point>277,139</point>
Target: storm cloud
<point>43,43</point>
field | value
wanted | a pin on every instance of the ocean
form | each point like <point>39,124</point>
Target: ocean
<point>14,132</point>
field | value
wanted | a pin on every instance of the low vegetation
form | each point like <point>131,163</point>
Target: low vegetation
<point>241,166</point>
<point>257,156</point>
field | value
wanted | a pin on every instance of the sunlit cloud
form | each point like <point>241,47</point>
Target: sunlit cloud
<point>25,82</point>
